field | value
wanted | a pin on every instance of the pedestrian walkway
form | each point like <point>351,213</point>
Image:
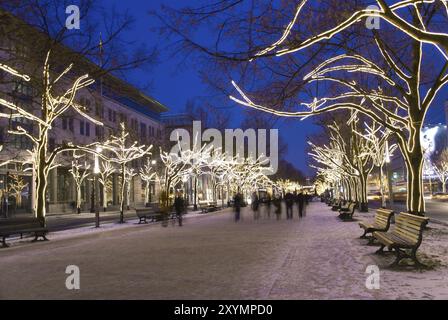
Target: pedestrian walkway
<point>213,257</point>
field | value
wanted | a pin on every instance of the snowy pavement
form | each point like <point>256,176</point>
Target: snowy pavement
<point>212,257</point>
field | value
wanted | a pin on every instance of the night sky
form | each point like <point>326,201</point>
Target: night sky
<point>174,86</point>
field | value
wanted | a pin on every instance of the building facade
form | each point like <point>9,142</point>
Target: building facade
<point>109,100</point>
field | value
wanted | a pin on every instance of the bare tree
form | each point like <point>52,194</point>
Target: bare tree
<point>440,167</point>
<point>119,150</point>
<point>79,172</point>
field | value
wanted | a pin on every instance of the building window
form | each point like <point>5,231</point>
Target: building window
<point>87,129</point>
<point>81,128</point>
<point>71,127</point>
<point>143,131</point>
<point>85,103</point>
<point>99,131</point>
<point>99,111</point>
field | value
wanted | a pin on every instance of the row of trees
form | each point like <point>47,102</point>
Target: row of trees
<point>387,72</point>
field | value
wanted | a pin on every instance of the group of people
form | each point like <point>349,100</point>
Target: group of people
<point>299,198</point>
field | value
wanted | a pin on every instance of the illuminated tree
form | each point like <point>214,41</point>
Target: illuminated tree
<point>399,101</point>
<point>17,185</point>
<point>55,101</point>
<point>196,159</point>
<point>147,174</point>
<point>120,150</point>
<point>379,150</point>
<point>106,170</point>
<point>129,177</point>
<point>218,168</point>
<point>349,154</point>
<point>79,172</point>
<point>172,174</point>
<point>440,166</point>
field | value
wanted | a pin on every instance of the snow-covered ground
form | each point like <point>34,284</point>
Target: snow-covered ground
<point>212,257</point>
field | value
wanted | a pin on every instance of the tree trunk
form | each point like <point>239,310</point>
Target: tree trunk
<point>123,192</point>
<point>364,205</point>
<point>41,169</point>
<point>195,204</point>
<point>414,167</point>
<point>383,197</point>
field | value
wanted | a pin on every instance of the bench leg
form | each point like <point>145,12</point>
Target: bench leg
<point>398,258</point>
<point>4,244</point>
<point>380,250</point>
<point>37,236</point>
<point>142,220</point>
<point>371,240</point>
<point>417,263</point>
<point>364,235</point>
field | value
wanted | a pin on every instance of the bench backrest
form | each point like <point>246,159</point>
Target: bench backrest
<point>410,227</point>
<point>19,223</point>
<point>143,211</point>
<point>383,217</point>
<point>346,205</point>
<point>351,206</point>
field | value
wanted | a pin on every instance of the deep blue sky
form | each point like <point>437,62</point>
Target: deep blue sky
<point>174,86</point>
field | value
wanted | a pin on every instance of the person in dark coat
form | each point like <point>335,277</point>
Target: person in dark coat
<point>289,201</point>
<point>237,203</point>
<point>300,203</point>
<point>179,206</point>
<point>255,205</point>
<point>278,206</point>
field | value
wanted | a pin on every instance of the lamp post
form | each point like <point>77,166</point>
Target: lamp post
<point>96,172</point>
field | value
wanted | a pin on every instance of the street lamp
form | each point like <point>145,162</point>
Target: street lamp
<point>96,172</point>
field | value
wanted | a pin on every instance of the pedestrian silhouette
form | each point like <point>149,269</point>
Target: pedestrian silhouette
<point>179,207</point>
<point>237,203</point>
<point>278,206</point>
<point>255,205</point>
<point>300,203</point>
<point>289,201</point>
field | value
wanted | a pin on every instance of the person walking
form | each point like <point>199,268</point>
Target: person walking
<point>289,201</point>
<point>179,206</point>
<point>278,206</point>
<point>237,203</point>
<point>268,205</point>
<point>300,203</point>
<point>255,205</point>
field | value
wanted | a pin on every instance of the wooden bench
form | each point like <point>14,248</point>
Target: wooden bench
<point>336,205</point>
<point>144,214</point>
<point>207,206</point>
<point>344,206</point>
<point>406,235</point>
<point>20,226</point>
<point>381,223</point>
<point>346,214</point>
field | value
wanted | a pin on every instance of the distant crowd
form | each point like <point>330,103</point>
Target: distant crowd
<point>299,198</point>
